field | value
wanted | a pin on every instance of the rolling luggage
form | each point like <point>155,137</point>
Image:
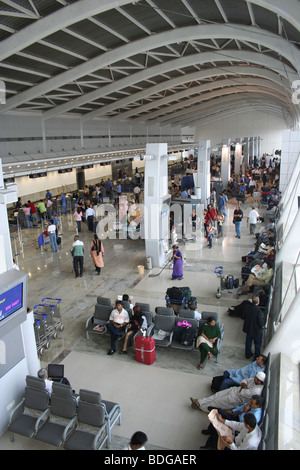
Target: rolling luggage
<point>145,349</point>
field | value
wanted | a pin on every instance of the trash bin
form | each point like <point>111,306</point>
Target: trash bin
<point>141,269</point>
<point>149,262</point>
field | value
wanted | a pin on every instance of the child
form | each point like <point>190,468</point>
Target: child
<point>210,234</point>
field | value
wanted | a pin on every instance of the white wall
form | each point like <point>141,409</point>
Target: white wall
<point>251,124</point>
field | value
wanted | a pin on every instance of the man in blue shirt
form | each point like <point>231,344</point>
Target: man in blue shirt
<point>237,414</point>
<point>184,194</point>
<point>233,377</point>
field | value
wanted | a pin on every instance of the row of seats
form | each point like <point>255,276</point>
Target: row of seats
<point>82,422</point>
<point>164,320</point>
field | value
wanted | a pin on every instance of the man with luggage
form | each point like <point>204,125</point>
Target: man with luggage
<point>252,219</point>
<point>118,321</point>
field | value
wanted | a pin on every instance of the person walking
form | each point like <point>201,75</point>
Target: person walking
<point>252,219</point>
<point>253,325</point>
<point>52,235</point>
<point>210,234</point>
<point>97,253</point>
<point>78,254</point>
<point>237,220</point>
<point>90,216</point>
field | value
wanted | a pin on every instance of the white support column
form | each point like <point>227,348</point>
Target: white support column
<point>155,190</point>
<point>225,162</point>
<point>8,195</point>
<point>251,151</point>
<point>246,152</point>
<point>238,156</point>
<point>202,177</point>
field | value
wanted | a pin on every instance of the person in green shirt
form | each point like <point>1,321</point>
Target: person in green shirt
<point>42,209</point>
<point>261,278</point>
<point>78,256</point>
<point>207,341</point>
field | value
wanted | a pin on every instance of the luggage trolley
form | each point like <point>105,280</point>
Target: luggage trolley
<point>45,313</point>
<point>41,338</point>
<point>57,318</point>
<point>219,272</point>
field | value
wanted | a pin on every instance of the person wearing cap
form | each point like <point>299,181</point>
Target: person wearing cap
<point>233,396</point>
<point>233,377</point>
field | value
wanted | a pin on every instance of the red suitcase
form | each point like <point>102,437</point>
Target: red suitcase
<point>145,349</point>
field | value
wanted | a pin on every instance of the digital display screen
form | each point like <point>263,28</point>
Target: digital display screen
<point>11,301</point>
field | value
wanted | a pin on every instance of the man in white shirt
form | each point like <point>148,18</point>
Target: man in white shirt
<point>117,323</point>
<point>249,434</point>
<point>52,235</point>
<point>90,215</point>
<point>253,217</point>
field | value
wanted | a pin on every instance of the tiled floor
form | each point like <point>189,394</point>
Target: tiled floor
<point>153,398</point>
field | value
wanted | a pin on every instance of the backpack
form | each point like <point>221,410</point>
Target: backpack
<point>229,281</point>
<point>188,336</point>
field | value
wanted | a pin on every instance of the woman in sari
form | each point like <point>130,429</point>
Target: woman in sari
<point>177,263</point>
<point>97,252</point>
<point>207,341</point>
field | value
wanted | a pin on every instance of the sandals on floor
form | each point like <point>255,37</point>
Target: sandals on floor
<point>195,404</point>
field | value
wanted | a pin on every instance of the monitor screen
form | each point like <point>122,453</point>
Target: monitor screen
<point>55,370</point>
<point>11,301</point>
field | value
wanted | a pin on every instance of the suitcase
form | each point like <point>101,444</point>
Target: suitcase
<point>145,349</point>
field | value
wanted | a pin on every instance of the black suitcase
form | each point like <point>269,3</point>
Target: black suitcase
<point>179,293</point>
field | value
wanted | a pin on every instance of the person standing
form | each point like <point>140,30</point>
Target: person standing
<point>33,212</point>
<point>237,220</point>
<point>252,218</point>
<point>177,263</point>
<point>27,212</point>
<point>253,325</point>
<point>78,254</point>
<point>210,234</point>
<point>220,222</point>
<point>63,203</point>
<point>97,253</point>
<point>78,218</point>
<point>90,216</point>
<point>52,235</point>
<point>42,209</point>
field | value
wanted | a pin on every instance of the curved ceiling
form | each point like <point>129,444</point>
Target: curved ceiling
<point>167,62</point>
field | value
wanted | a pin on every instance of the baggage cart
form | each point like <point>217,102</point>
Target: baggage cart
<point>57,317</point>
<point>41,338</point>
<point>45,313</point>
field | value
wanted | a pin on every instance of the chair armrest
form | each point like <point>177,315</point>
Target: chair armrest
<point>88,320</point>
<point>99,435</point>
<point>40,421</point>
<point>69,428</point>
<point>16,409</point>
